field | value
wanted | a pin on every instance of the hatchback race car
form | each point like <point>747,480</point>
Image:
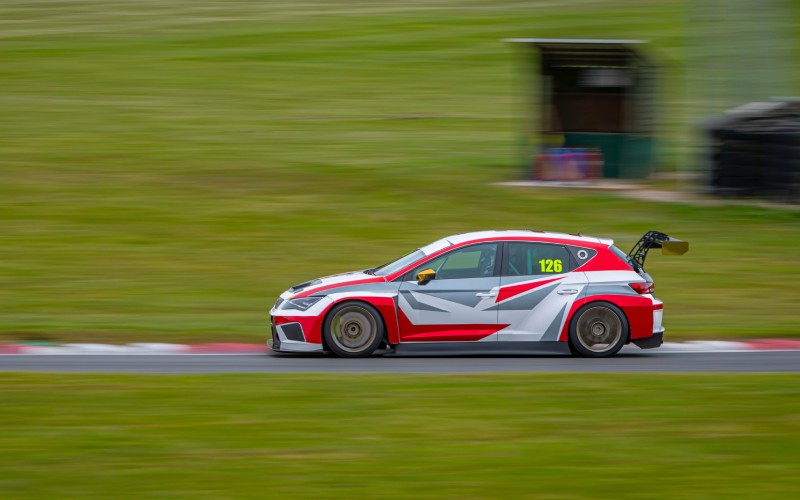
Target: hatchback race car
<point>490,292</point>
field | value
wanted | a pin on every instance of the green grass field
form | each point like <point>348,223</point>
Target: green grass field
<point>168,168</point>
<point>489,436</point>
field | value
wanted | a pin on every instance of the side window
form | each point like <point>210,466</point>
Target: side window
<point>581,256</point>
<point>476,261</point>
<point>529,259</point>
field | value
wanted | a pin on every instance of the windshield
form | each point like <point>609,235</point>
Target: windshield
<point>399,264</point>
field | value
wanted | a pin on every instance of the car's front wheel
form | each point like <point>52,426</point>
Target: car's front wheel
<point>598,330</point>
<point>353,329</point>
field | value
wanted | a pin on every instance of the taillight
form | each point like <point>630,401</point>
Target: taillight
<point>643,288</point>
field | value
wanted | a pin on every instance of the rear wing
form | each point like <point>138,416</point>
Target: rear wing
<point>655,239</point>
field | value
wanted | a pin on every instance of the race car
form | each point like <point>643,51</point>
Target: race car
<point>490,292</point>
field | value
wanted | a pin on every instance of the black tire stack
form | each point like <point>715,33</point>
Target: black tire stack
<point>757,153</point>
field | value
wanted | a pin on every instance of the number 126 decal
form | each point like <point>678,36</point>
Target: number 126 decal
<point>551,266</point>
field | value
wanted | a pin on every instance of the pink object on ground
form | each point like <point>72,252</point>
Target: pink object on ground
<point>774,344</point>
<point>10,349</point>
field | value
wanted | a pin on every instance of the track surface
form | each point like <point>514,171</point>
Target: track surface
<point>630,361</point>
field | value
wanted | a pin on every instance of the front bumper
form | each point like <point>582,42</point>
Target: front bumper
<point>274,340</point>
<point>285,339</point>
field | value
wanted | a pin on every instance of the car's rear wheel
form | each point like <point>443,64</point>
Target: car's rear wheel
<point>353,329</point>
<point>598,330</point>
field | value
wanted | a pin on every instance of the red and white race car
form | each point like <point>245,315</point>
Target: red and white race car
<point>490,292</point>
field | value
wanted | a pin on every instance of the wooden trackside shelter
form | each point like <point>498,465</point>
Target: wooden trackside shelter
<point>593,95</point>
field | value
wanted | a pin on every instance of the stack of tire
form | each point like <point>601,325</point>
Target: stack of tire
<point>756,153</point>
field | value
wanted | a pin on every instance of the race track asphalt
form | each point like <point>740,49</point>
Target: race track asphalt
<point>627,361</point>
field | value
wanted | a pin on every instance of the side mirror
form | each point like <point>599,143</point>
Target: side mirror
<point>424,276</point>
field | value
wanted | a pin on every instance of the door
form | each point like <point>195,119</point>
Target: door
<point>458,305</point>
<point>537,289</point>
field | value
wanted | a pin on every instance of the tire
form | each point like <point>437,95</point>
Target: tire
<point>598,330</point>
<point>353,329</point>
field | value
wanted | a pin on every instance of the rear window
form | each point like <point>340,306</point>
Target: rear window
<point>622,255</point>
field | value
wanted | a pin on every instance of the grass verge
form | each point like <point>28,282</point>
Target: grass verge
<point>400,436</point>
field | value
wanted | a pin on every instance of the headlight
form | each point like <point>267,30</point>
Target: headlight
<point>301,304</point>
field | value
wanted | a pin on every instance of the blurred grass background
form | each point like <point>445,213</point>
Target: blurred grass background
<point>640,436</point>
<point>168,168</point>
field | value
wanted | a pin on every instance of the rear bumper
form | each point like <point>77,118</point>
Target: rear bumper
<point>650,342</point>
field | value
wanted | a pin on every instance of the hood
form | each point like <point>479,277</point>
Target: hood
<point>329,283</point>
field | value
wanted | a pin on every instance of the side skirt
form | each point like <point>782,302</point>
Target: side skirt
<point>479,349</point>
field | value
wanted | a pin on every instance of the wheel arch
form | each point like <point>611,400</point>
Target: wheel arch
<point>588,303</point>
<point>345,300</point>
<point>596,299</point>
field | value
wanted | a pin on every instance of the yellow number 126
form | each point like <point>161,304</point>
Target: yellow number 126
<point>551,266</point>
